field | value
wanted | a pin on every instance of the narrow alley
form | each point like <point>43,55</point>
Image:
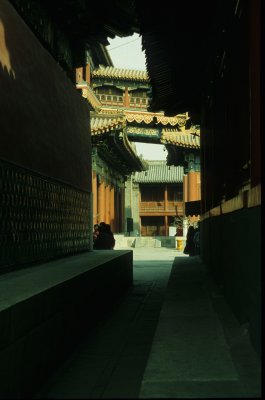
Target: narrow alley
<point>171,336</point>
<point>138,318</point>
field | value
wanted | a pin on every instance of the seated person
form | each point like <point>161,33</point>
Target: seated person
<point>105,239</point>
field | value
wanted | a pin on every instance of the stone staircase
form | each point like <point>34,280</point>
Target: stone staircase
<point>144,241</point>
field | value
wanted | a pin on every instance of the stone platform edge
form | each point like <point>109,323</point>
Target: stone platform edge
<point>46,309</point>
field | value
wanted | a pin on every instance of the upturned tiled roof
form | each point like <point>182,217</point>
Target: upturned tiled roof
<point>121,152</point>
<point>99,125</point>
<point>89,94</point>
<point>188,138</point>
<point>160,172</point>
<point>120,73</point>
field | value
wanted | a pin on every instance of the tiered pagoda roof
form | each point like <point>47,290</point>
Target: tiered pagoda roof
<point>113,127</point>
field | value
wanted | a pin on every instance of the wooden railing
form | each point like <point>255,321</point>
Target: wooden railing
<point>152,206</point>
<point>160,206</point>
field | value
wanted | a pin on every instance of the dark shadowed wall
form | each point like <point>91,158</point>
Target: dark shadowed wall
<point>45,162</point>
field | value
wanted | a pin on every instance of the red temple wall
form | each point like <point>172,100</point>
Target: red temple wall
<point>44,120</point>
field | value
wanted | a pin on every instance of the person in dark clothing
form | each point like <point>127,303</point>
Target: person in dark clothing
<point>196,239</point>
<point>111,238</point>
<point>95,232</point>
<point>105,239</point>
<point>190,247</point>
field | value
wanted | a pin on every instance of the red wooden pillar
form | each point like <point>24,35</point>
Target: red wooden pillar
<point>185,192</point>
<point>87,73</point>
<point>101,200</point>
<point>107,203</point>
<point>79,74</point>
<point>117,210</point>
<point>112,208</point>
<point>192,186</point>
<point>122,210</point>
<point>95,197</point>
<point>198,185</point>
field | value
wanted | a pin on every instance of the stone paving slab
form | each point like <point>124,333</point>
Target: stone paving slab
<point>190,356</point>
<point>167,338</point>
<point>119,346</point>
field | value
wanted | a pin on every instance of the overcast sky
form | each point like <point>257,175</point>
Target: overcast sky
<point>127,53</point>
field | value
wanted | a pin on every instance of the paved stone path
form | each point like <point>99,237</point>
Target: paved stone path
<point>167,338</point>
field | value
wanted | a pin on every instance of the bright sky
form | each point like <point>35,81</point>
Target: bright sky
<point>127,53</point>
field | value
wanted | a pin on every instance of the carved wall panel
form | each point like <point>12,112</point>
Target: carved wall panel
<point>40,218</point>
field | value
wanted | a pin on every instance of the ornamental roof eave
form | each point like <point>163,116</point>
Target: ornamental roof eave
<point>120,73</point>
<point>105,124</point>
<point>111,129</point>
<point>189,138</point>
<point>155,118</point>
<point>146,117</point>
<point>89,94</point>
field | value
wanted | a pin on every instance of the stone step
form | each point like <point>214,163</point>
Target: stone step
<point>144,241</point>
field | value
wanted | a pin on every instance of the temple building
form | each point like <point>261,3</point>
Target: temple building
<point>154,198</point>
<point>187,154</point>
<point>121,88</point>
<point>113,159</point>
<point>119,100</point>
